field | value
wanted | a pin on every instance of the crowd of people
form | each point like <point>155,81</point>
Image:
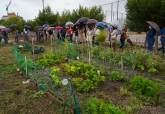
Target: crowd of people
<point>84,34</point>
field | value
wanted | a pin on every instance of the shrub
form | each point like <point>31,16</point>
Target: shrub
<point>102,36</point>
<point>144,87</point>
<point>117,76</point>
<point>96,106</point>
<point>50,59</point>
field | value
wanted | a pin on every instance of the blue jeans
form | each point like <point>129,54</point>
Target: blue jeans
<point>150,44</point>
<point>122,41</point>
<point>162,48</point>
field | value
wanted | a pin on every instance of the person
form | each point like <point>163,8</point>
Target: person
<point>69,33</point>
<point>5,36</point>
<point>110,30</point>
<point>123,37</point>
<point>76,34</point>
<point>16,36</point>
<point>0,35</point>
<point>50,34</point>
<point>93,35</point>
<point>150,38</point>
<point>89,35</point>
<point>63,33</point>
<point>114,37</point>
<point>26,34</point>
<point>162,40</point>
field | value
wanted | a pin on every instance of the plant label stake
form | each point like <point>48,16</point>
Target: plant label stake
<point>33,45</point>
<point>26,66</point>
<point>122,65</point>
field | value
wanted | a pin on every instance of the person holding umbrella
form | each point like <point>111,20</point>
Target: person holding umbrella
<point>16,36</point>
<point>123,37</point>
<point>150,38</point>
<point>5,36</point>
<point>69,33</point>
<point>162,40</point>
<point>26,34</point>
<point>151,34</point>
<point>114,36</point>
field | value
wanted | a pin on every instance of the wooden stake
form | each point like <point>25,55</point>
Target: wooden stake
<point>26,66</point>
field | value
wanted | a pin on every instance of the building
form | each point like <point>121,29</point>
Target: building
<point>5,17</point>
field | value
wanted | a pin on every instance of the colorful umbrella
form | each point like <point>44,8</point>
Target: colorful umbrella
<point>69,24</point>
<point>6,29</point>
<point>58,28</point>
<point>50,28</point>
<point>110,28</point>
<point>101,25</point>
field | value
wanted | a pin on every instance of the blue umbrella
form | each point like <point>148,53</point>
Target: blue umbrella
<point>101,25</point>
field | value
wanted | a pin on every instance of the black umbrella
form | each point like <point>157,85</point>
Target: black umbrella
<point>13,26</point>
<point>39,28</point>
<point>83,21</point>
<point>92,22</point>
<point>27,27</point>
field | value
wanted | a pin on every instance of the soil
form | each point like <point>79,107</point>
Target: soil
<point>18,98</point>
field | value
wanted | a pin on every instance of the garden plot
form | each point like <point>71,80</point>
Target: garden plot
<point>120,82</point>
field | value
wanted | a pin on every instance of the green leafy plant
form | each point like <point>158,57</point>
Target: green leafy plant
<point>144,87</point>
<point>101,36</point>
<point>98,106</point>
<point>55,76</point>
<point>50,59</point>
<point>86,77</point>
<point>117,76</point>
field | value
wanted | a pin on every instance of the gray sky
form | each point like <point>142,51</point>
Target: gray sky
<point>29,9</point>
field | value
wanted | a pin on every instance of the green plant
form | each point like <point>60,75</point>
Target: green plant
<point>71,69</point>
<point>144,87</point>
<point>55,76</point>
<point>86,77</point>
<point>116,76</point>
<point>102,36</point>
<point>151,64</point>
<point>50,59</point>
<point>98,106</point>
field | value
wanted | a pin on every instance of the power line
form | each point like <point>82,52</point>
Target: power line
<point>112,2</point>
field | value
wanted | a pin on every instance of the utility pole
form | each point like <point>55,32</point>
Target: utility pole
<point>111,11</point>
<point>43,4</point>
<point>118,10</point>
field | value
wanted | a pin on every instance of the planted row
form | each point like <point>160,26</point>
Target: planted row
<point>85,77</point>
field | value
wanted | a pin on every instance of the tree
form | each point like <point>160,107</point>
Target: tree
<point>47,16</point>
<point>140,11</point>
<point>32,23</point>
<point>19,21</point>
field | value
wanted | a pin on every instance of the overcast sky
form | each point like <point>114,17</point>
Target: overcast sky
<point>29,9</point>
